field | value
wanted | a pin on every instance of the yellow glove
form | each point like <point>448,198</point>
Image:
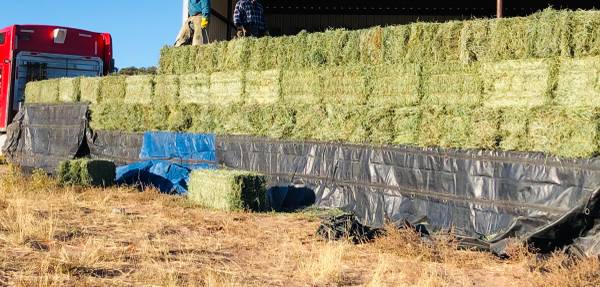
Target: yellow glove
<point>204,23</point>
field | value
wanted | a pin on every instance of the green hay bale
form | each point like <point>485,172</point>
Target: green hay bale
<point>452,84</point>
<point>341,47</point>
<point>112,89</point>
<point>280,120</point>
<point>485,124</point>
<point>33,92</point>
<point>156,117</point>
<point>395,39</point>
<point>343,123</point>
<point>418,47</point>
<point>263,53</point>
<point>86,172</point>
<point>517,83</point>
<point>302,86</point>
<point>41,92</point>
<point>445,126</point>
<point>550,34</point>
<point>579,83</point>
<point>179,61</point>
<point>395,85</point>
<point>381,124</point>
<point>514,127</point>
<point>166,89</point>
<point>309,121</point>
<point>263,87</point>
<point>371,46</point>
<point>407,121</point>
<point>474,41</point>
<point>509,39</point>
<point>209,58</point>
<point>68,91</point>
<point>118,117</point>
<point>585,33</point>
<point>194,88</point>
<point>166,63</point>
<point>445,45</point>
<point>226,87</point>
<point>228,190</point>
<point>204,118</point>
<point>344,85</point>
<point>565,132</point>
<point>179,119</point>
<point>237,55</point>
<point>90,89</point>
<point>291,52</point>
<point>139,89</point>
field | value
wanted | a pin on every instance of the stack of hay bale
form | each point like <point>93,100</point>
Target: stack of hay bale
<point>522,84</point>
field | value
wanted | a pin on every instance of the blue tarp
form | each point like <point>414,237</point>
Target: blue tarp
<point>167,160</point>
<point>189,150</point>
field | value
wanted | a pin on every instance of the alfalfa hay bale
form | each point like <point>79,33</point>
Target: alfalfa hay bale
<point>118,117</point>
<point>226,87</point>
<point>68,91</point>
<point>33,92</point>
<point>228,190</point>
<point>514,128</point>
<point>371,45</point>
<point>344,123</point>
<point>263,87</point>
<point>566,132</point>
<point>43,92</point>
<point>524,83</point>
<point>585,33</point>
<point>86,172</point>
<point>89,88</point>
<point>395,39</point>
<point>407,122</point>
<point>380,120</point>
<point>263,53</point>
<point>194,88</point>
<point>344,85</point>
<point>166,89</point>
<point>579,82</point>
<point>394,85</point>
<point>309,121</point>
<point>452,84</point>
<point>485,125</point>
<point>445,126</point>
<point>550,34</point>
<point>237,55</point>
<point>509,39</point>
<point>474,41</point>
<point>301,86</point>
<point>112,89</point>
<point>139,89</point>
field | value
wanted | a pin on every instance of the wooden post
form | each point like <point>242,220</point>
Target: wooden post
<point>499,8</point>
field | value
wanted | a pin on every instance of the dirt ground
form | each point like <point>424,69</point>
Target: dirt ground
<point>55,236</point>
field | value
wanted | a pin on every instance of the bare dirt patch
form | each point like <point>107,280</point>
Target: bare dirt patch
<point>55,236</point>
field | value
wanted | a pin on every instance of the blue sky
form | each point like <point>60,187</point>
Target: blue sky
<point>139,28</point>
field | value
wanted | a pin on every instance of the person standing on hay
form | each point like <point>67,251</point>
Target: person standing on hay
<point>249,19</point>
<point>195,28</point>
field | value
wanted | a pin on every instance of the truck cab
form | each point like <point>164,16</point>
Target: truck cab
<point>39,52</point>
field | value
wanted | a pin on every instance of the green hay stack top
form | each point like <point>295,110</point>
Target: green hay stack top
<point>86,172</point>
<point>228,190</point>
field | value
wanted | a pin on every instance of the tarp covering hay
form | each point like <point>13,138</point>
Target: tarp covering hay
<point>228,190</point>
<point>139,89</point>
<point>86,172</point>
<point>68,91</point>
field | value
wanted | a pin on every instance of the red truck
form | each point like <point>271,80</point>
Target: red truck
<point>39,52</point>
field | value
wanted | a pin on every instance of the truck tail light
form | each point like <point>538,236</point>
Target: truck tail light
<point>60,35</point>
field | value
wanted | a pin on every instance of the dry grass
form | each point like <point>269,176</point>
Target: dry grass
<point>54,236</point>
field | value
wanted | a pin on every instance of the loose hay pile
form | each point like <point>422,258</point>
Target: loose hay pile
<point>86,172</point>
<point>228,190</point>
<point>518,84</point>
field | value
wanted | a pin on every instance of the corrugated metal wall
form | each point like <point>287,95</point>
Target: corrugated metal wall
<point>292,24</point>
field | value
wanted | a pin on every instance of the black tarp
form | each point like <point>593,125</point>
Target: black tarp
<point>484,195</point>
<point>41,136</point>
